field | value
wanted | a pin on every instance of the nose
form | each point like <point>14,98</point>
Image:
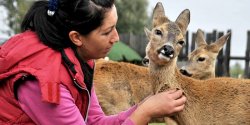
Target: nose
<point>145,61</point>
<point>185,72</point>
<point>168,50</point>
<point>115,36</point>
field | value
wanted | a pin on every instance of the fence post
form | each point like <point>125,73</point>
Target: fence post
<point>227,55</point>
<point>220,68</point>
<point>247,68</point>
<point>193,41</point>
<point>187,46</point>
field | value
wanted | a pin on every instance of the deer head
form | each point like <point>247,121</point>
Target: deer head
<point>201,61</point>
<point>166,37</point>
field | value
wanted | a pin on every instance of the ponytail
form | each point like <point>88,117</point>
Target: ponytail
<point>50,29</point>
<point>53,20</point>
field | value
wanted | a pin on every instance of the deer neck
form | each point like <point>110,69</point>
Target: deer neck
<point>205,75</point>
<point>209,74</point>
<point>163,77</point>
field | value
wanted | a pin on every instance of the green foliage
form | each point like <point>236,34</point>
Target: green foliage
<point>16,10</point>
<point>132,16</point>
<point>236,70</point>
<point>121,52</point>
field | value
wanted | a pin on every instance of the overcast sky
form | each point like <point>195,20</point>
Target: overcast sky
<point>3,26</point>
<point>214,14</point>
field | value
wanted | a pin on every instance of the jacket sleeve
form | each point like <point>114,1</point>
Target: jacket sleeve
<point>43,113</point>
<point>67,113</point>
<point>97,117</point>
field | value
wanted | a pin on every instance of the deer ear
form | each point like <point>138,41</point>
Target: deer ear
<point>183,20</point>
<point>222,40</point>
<point>158,10</point>
<point>147,32</point>
<point>159,14</point>
<point>218,44</point>
<point>199,40</point>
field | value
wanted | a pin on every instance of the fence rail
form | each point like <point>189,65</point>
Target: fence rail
<point>139,42</point>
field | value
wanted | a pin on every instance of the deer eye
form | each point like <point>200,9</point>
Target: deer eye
<point>181,42</point>
<point>158,32</point>
<point>200,59</point>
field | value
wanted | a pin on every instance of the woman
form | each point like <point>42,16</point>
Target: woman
<point>46,71</point>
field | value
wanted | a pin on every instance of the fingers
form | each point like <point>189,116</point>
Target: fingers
<point>177,94</point>
<point>181,101</point>
<point>171,91</point>
<point>178,105</point>
<point>179,108</point>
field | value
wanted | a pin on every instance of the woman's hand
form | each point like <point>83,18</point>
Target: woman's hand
<point>162,104</point>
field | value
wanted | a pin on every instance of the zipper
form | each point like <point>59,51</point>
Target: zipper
<point>81,88</point>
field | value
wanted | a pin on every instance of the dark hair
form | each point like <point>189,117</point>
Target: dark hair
<point>82,16</point>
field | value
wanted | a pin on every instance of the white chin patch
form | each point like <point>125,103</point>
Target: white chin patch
<point>163,57</point>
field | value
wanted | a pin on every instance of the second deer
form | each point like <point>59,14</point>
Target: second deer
<point>201,61</point>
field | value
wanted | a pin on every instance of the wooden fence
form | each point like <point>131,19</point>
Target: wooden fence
<point>139,42</point>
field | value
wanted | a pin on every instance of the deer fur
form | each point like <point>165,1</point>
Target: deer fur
<point>201,61</point>
<point>120,85</point>
<point>217,101</point>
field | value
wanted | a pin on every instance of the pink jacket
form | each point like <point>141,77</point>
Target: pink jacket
<point>54,99</point>
<point>66,113</point>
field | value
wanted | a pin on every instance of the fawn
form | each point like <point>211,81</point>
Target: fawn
<point>120,85</point>
<point>215,101</point>
<point>201,61</point>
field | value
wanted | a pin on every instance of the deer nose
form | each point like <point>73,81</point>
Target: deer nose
<point>145,61</point>
<point>185,72</point>
<point>167,51</point>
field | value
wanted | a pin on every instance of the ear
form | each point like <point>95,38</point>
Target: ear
<point>222,40</point>
<point>183,20</point>
<point>199,40</point>
<point>148,33</point>
<point>159,14</point>
<point>218,44</point>
<point>75,37</point>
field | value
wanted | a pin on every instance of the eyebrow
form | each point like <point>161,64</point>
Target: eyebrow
<point>111,27</point>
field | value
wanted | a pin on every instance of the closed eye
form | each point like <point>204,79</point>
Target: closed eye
<point>107,33</point>
<point>109,30</point>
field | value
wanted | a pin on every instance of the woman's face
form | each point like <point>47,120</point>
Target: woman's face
<point>98,43</point>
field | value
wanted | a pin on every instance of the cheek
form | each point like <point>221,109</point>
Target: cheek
<point>94,44</point>
<point>178,49</point>
<point>98,47</point>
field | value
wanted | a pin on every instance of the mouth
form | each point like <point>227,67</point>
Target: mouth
<point>184,72</point>
<point>166,52</point>
<point>108,49</point>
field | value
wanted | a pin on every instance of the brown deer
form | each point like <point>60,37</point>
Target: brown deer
<point>201,61</point>
<point>217,101</point>
<point>120,85</point>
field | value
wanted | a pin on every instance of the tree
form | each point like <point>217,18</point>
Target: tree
<point>16,10</point>
<point>132,16</point>
<point>236,70</point>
